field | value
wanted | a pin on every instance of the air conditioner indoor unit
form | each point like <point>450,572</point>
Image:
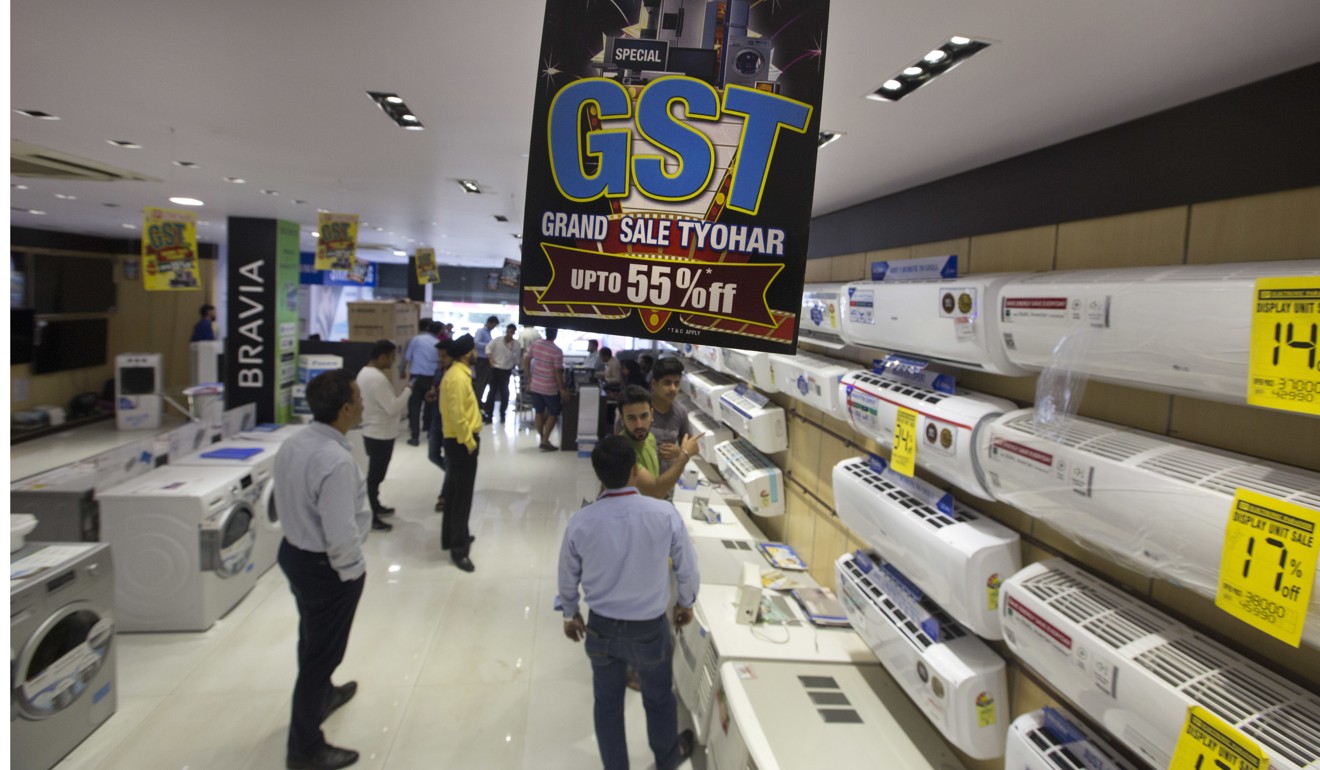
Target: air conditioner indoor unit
<point>821,320</point>
<point>712,434</point>
<point>812,715</point>
<point>958,558</point>
<point>750,366</point>
<point>1156,504</point>
<point>752,416</point>
<point>1183,329</point>
<point>955,322</point>
<point>706,386</point>
<point>947,424</point>
<point>709,356</point>
<point>811,379</point>
<point>952,675</point>
<point>1136,671</point>
<point>1052,739</point>
<point>750,474</point>
<point>715,637</point>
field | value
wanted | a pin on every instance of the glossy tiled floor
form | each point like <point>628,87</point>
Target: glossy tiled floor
<point>455,670</point>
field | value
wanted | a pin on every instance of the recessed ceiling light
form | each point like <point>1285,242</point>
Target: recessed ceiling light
<point>935,56</point>
<point>939,61</point>
<point>111,205</point>
<point>236,179</point>
<point>269,192</point>
<point>409,118</point>
<point>187,164</point>
<point>38,114</point>
<point>517,235</point>
<point>394,99</point>
<point>63,197</point>
<point>827,138</point>
<point>36,212</point>
<point>400,253</point>
<point>316,234</point>
<point>470,186</point>
<point>24,187</point>
<point>393,106</point>
<point>380,229</point>
<point>414,128</point>
<point>298,201</point>
<point>913,71</point>
<point>366,224</point>
<point>127,226</point>
<point>186,201</point>
<point>959,40</point>
<point>127,145</point>
<point>323,211</point>
<point>501,218</point>
<point>892,85</point>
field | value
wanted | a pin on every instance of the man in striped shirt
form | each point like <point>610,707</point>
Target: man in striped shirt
<point>544,360</point>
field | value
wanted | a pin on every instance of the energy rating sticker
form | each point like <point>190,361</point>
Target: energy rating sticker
<point>904,457</point>
<point>1284,367</point>
<point>1268,567</point>
<point>1207,742</point>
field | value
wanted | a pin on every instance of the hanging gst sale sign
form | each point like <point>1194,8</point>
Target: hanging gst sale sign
<point>336,245</point>
<point>672,167</point>
<point>427,272</point>
<point>169,250</point>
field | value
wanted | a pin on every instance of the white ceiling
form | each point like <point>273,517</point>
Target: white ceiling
<point>274,92</point>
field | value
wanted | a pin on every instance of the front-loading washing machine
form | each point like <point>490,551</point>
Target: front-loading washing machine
<point>183,539</point>
<point>62,652</point>
<point>261,462</point>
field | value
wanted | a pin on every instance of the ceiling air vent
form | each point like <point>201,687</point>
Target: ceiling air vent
<point>30,160</point>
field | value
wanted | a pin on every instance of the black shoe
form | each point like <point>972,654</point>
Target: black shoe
<point>684,747</point>
<point>414,442</point>
<point>380,526</point>
<point>465,564</point>
<point>327,758</point>
<point>383,511</point>
<point>338,697</point>
<point>486,419</point>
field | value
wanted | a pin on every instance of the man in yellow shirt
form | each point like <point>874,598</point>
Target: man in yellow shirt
<point>461,417</point>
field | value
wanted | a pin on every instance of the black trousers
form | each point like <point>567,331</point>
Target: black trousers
<point>499,391</point>
<point>379,452</point>
<point>326,606</point>
<point>419,419</point>
<point>480,377</point>
<point>460,481</point>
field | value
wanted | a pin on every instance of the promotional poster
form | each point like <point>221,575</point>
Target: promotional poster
<point>671,170</point>
<point>169,250</point>
<point>336,245</point>
<point>427,272</point>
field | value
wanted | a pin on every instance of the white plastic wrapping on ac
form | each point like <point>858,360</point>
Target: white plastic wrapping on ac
<point>1061,385</point>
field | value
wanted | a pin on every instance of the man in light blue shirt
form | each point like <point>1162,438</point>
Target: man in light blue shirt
<point>481,373</point>
<point>422,360</point>
<point>620,549</point>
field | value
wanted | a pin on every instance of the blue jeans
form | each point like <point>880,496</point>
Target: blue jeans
<point>647,646</point>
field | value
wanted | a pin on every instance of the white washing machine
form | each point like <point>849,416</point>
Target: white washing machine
<point>269,533</point>
<point>183,540</point>
<point>270,432</point>
<point>62,652</point>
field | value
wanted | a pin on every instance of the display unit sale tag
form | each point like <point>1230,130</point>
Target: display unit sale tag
<point>1284,365</point>
<point>904,457</point>
<point>1207,742</point>
<point>1268,566</point>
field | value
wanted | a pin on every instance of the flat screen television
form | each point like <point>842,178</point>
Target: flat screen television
<point>62,345</point>
<point>22,324</point>
<point>72,284</point>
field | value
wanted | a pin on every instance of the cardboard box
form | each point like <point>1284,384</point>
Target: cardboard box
<point>311,365</point>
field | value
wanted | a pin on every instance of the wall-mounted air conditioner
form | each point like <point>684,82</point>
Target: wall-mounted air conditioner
<point>1136,671</point>
<point>709,356</point>
<point>714,432</point>
<point>1183,329</point>
<point>956,679</point>
<point>706,386</point>
<point>821,320</point>
<point>813,715</point>
<point>752,416</point>
<point>947,424</point>
<point>715,637</point>
<point>1156,504</point>
<point>958,558</point>
<point>811,379</point>
<point>1051,739</point>
<point>750,474</point>
<point>954,322</point>
<point>750,366</point>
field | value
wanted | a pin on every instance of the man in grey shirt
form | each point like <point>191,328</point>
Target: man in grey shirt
<point>321,498</point>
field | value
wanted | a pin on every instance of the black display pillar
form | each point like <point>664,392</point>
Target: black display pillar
<point>261,349</point>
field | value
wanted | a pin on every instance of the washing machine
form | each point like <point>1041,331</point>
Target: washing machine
<point>270,432</point>
<point>259,458</point>
<point>183,539</point>
<point>62,652</point>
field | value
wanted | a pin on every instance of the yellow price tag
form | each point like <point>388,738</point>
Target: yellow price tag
<point>1284,367</point>
<point>1268,567</point>
<point>904,457</point>
<point>1207,742</point>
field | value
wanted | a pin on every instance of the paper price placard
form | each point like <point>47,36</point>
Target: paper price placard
<point>904,457</point>
<point>1268,566</point>
<point>1207,742</point>
<point>1284,367</point>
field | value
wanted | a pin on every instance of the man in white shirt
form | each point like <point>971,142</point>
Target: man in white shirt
<point>504,354</point>
<point>381,409</point>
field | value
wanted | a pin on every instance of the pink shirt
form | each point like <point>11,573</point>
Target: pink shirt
<point>546,359</point>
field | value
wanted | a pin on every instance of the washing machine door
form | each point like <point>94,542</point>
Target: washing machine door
<point>227,540</point>
<point>62,657</point>
<point>269,517</point>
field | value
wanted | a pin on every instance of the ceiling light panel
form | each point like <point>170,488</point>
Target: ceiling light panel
<point>38,114</point>
<point>470,186</point>
<point>939,61</point>
<point>127,145</point>
<point>397,110</point>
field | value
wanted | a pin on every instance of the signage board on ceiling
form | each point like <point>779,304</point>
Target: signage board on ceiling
<point>672,168</point>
